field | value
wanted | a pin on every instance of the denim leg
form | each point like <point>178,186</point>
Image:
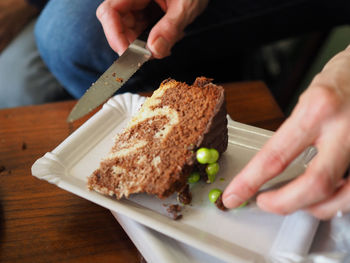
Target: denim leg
<point>71,41</point>
<point>24,79</point>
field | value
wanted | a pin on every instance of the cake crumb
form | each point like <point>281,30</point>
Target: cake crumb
<point>185,196</point>
<point>219,204</point>
<point>174,211</point>
<point>2,168</point>
<point>120,80</point>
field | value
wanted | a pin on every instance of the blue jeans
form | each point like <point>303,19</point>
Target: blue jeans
<point>71,41</point>
<point>24,79</point>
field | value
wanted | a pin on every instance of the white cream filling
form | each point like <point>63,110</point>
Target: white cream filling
<point>126,151</point>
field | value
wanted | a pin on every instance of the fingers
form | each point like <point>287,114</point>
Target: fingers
<point>122,22</point>
<point>167,31</point>
<point>112,27</point>
<point>339,202</point>
<point>125,6</point>
<point>321,118</point>
<point>170,28</point>
<point>286,144</point>
<point>318,183</point>
<point>310,119</point>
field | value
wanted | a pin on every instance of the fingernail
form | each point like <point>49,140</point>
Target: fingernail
<point>160,47</point>
<point>232,201</point>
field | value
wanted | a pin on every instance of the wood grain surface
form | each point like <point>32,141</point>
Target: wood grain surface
<point>40,222</point>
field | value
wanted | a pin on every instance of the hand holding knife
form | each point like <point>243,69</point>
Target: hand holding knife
<point>123,20</point>
<point>118,73</point>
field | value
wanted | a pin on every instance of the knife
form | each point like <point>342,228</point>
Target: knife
<point>112,80</point>
<point>120,71</point>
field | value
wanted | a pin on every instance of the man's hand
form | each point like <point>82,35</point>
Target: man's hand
<point>322,119</point>
<point>124,20</point>
<point>14,15</point>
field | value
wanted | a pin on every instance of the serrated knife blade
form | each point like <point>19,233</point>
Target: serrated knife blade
<point>112,79</point>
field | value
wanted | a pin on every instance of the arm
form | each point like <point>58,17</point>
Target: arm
<point>124,20</point>
<point>321,118</point>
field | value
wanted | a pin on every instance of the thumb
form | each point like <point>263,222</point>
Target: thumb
<point>168,30</point>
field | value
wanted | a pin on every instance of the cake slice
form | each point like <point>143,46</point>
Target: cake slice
<point>155,153</point>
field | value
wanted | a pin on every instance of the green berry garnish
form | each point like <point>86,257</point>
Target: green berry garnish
<point>214,155</point>
<point>214,195</point>
<point>203,155</point>
<point>212,169</point>
<point>194,177</point>
<point>243,204</point>
<point>211,178</point>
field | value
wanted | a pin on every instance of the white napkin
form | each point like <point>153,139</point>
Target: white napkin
<point>291,244</point>
<point>294,240</point>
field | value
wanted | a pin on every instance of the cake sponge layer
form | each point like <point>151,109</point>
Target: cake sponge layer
<point>155,153</point>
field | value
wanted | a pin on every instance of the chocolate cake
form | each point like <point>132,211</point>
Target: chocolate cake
<point>155,153</point>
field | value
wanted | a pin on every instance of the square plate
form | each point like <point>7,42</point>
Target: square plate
<point>242,235</point>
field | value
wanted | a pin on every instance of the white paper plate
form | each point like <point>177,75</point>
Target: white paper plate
<point>244,235</point>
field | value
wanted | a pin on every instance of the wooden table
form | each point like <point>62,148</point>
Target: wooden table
<point>40,222</point>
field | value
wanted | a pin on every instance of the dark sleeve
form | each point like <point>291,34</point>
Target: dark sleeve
<point>38,3</point>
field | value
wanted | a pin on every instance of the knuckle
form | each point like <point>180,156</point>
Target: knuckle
<point>318,104</point>
<point>305,125</point>
<point>101,10</point>
<point>323,185</point>
<point>327,96</point>
<point>330,99</point>
<point>178,22</point>
<point>168,24</point>
<point>185,7</point>
<point>274,162</point>
<point>176,19</point>
<point>192,9</point>
<point>247,187</point>
<point>171,27</point>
